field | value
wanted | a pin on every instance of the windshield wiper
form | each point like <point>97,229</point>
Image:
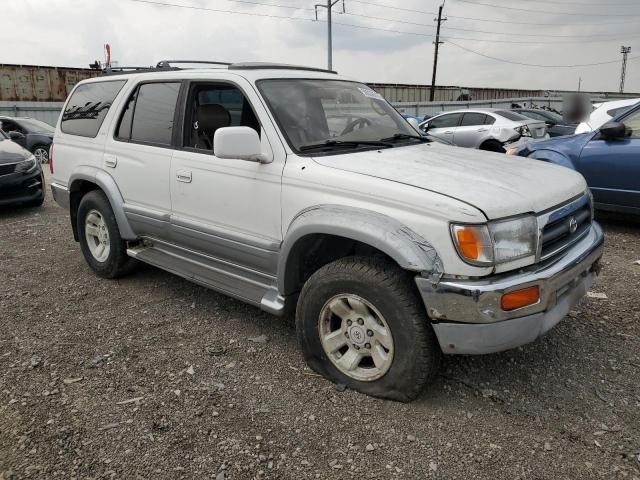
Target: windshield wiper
<point>403,136</point>
<point>345,143</point>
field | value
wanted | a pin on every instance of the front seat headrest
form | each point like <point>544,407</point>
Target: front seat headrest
<point>210,117</point>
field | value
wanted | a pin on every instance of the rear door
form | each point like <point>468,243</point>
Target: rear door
<point>473,129</point>
<point>445,126</point>
<point>138,155</point>
<point>612,168</point>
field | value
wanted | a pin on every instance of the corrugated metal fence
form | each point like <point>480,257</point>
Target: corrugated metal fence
<point>47,112</point>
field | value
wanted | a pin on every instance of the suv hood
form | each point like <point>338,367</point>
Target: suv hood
<point>498,185</point>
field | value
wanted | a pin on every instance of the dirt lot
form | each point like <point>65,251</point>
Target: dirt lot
<point>153,377</point>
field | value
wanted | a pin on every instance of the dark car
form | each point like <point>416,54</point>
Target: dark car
<point>556,125</point>
<point>21,177</point>
<point>609,159</point>
<point>34,135</point>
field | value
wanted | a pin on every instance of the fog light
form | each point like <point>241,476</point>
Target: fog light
<point>520,298</point>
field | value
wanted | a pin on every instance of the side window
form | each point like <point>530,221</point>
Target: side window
<point>214,106</point>
<point>123,132</point>
<point>446,121</point>
<point>88,105</point>
<point>153,114</point>
<point>9,126</point>
<point>473,119</point>
<point>489,120</point>
<point>633,122</point>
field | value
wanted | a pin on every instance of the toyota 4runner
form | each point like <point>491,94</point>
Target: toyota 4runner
<point>294,188</point>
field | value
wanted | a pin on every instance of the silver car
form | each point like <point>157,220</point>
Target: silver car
<point>486,129</point>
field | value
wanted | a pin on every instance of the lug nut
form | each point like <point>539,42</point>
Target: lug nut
<point>349,322</point>
<point>370,333</point>
<point>356,347</point>
<point>346,334</point>
<point>368,345</point>
<point>360,321</point>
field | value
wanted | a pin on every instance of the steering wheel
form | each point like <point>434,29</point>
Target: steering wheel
<point>358,122</point>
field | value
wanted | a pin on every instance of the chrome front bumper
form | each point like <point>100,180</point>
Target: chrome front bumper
<point>467,316</point>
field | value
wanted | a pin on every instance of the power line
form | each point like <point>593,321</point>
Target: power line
<point>493,5</point>
<point>534,64</point>
<point>541,24</point>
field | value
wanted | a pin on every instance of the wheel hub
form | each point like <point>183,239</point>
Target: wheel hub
<point>357,335</point>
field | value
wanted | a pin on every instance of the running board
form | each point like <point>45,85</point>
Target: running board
<point>255,288</point>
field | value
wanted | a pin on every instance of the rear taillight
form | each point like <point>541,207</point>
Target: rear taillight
<point>51,158</point>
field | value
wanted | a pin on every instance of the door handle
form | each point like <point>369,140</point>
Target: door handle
<point>110,160</point>
<point>183,176</point>
<point>480,130</point>
<point>450,132</point>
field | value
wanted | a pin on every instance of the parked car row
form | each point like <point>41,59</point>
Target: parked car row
<point>32,134</point>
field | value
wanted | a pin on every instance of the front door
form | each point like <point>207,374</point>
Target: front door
<point>226,208</point>
<point>444,126</point>
<point>612,167</point>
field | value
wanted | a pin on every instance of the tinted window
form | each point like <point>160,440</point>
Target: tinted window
<point>633,122</point>
<point>473,119</point>
<point>123,132</point>
<point>211,107</point>
<point>516,117</point>
<point>85,111</point>
<point>155,106</point>
<point>617,111</point>
<point>446,121</point>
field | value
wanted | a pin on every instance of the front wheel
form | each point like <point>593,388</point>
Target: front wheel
<point>360,323</point>
<point>41,152</point>
<point>103,248</point>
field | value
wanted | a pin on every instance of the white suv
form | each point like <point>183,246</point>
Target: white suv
<point>295,188</point>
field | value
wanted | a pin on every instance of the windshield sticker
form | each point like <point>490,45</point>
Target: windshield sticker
<point>367,92</point>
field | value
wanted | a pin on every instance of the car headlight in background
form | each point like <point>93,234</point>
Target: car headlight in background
<point>27,166</point>
<point>496,242</point>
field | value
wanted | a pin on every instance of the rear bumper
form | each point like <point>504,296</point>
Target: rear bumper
<point>467,315</point>
<point>60,195</point>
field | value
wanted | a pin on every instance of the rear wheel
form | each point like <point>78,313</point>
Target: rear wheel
<point>492,146</point>
<point>103,248</point>
<point>360,323</point>
<point>41,152</point>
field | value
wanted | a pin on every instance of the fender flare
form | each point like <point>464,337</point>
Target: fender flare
<point>108,185</point>
<point>407,248</point>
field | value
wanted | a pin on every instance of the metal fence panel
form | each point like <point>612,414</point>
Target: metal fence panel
<point>47,112</point>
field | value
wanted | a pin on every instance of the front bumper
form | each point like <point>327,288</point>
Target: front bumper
<point>467,316</point>
<point>21,187</point>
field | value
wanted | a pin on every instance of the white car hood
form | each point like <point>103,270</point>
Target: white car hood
<point>498,185</point>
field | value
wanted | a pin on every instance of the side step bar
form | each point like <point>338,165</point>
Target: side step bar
<point>255,288</point>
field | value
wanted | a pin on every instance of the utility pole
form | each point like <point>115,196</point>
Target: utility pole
<point>329,6</point>
<point>435,56</point>
<point>625,52</point>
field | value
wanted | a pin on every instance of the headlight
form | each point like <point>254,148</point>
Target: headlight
<point>27,166</point>
<point>496,242</point>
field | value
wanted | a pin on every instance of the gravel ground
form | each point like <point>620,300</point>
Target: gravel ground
<point>153,377</point>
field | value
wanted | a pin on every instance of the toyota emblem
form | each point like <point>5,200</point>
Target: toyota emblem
<point>573,225</point>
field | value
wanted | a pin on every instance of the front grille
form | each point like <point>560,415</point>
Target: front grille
<point>7,169</point>
<point>565,227</point>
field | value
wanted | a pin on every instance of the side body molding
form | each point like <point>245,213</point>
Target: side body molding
<point>109,187</point>
<point>406,247</point>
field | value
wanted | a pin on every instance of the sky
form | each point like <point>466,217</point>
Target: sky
<point>367,45</point>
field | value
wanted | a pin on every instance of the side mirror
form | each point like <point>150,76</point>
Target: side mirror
<point>425,127</point>
<point>613,131</point>
<point>16,136</point>
<point>413,122</point>
<point>241,143</point>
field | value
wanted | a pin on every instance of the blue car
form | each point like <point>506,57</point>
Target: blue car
<point>609,159</point>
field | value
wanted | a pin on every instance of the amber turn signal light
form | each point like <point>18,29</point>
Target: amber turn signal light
<point>520,298</point>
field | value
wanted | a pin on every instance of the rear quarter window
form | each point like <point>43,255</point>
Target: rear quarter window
<point>88,106</point>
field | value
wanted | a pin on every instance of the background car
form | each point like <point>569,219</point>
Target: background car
<point>485,129</point>
<point>608,158</point>
<point>21,177</point>
<point>605,112</point>
<point>556,125</point>
<point>32,134</point>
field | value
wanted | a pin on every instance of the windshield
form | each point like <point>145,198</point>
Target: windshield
<point>3,136</point>
<point>312,112</point>
<point>36,125</point>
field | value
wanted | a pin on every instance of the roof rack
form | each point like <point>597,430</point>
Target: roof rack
<point>276,66</point>
<point>172,65</point>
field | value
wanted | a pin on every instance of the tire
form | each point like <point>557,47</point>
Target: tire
<point>492,146</point>
<point>41,152</point>
<point>95,212</point>
<point>391,300</point>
